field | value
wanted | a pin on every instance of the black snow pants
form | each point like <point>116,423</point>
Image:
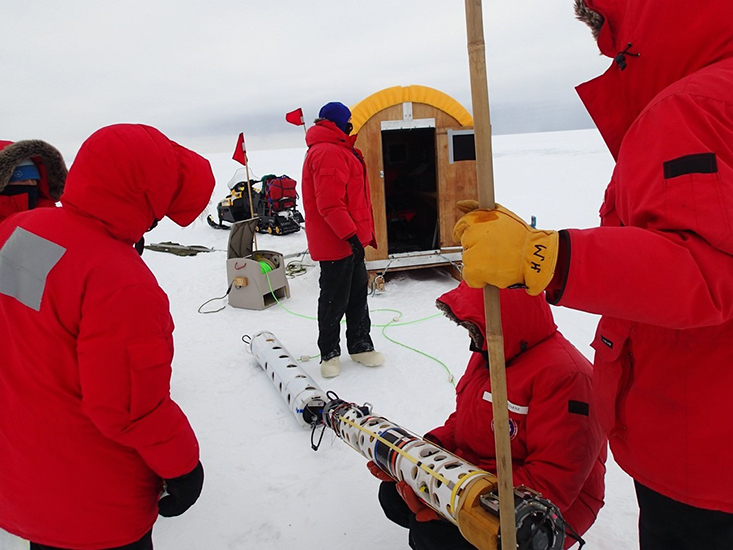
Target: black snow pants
<point>423,535</point>
<point>343,291</point>
<point>666,524</point>
<point>145,543</point>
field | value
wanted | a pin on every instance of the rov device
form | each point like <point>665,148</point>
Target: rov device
<point>457,490</point>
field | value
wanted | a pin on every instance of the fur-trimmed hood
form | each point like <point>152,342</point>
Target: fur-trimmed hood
<point>46,157</point>
<point>654,44</point>
<point>593,19</point>
<point>526,320</point>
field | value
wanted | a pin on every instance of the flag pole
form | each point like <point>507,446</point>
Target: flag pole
<point>300,122</point>
<point>494,336</point>
<point>249,190</point>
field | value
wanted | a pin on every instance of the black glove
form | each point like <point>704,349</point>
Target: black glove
<point>182,492</point>
<point>357,249</point>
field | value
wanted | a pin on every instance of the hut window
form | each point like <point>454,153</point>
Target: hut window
<point>461,145</point>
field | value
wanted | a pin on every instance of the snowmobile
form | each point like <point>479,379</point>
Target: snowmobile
<point>274,202</point>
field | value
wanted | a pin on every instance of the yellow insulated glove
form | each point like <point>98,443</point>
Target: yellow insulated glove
<point>499,249</point>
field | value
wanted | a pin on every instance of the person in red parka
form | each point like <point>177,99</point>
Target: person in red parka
<point>90,435</point>
<point>32,174</point>
<point>659,269</point>
<point>558,447</point>
<point>338,225</point>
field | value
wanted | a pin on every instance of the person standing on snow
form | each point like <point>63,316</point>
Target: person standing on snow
<point>338,225</point>
<point>90,435</point>
<point>558,446</point>
<point>659,269</point>
<point>32,174</point>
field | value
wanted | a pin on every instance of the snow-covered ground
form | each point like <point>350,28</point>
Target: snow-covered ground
<point>265,488</point>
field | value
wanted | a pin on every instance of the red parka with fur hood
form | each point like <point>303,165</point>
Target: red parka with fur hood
<point>660,267</point>
<point>557,443</point>
<point>51,167</point>
<point>336,196</point>
<point>88,429</point>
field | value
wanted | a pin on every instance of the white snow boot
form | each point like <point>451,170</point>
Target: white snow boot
<point>331,368</point>
<point>369,358</point>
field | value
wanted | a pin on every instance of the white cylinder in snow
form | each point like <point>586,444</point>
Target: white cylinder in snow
<point>303,396</point>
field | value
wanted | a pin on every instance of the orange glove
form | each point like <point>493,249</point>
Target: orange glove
<point>467,205</point>
<point>500,249</point>
<point>377,472</point>
<point>418,507</point>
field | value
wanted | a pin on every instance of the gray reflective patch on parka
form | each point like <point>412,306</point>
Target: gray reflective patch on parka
<point>25,261</point>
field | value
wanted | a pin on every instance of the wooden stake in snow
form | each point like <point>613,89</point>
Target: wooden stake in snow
<point>240,155</point>
<point>494,336</point>
<point>253,214</point>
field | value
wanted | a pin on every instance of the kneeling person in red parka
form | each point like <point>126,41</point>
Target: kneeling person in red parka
<point>558,447</point>
<point>89,434</point>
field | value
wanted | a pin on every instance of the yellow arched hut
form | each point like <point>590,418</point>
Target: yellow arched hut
<point>420,156</point>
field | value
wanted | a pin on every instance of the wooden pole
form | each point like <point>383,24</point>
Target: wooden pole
<point>253,214</point>
<point>494,336</point>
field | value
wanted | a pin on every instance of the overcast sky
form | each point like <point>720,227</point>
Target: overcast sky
<point>202,71</point>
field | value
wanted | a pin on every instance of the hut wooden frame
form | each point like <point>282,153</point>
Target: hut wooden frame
<point>390,123</point>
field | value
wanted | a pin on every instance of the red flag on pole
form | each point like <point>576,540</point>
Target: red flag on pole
<point>240,153</point>
<point>295,117</point>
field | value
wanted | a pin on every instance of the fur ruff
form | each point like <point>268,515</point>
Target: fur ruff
<point>591,18</point>
<point>473,330</point>
<point>41,152</point>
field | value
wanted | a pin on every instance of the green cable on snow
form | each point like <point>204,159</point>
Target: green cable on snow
<point>392,323</point>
